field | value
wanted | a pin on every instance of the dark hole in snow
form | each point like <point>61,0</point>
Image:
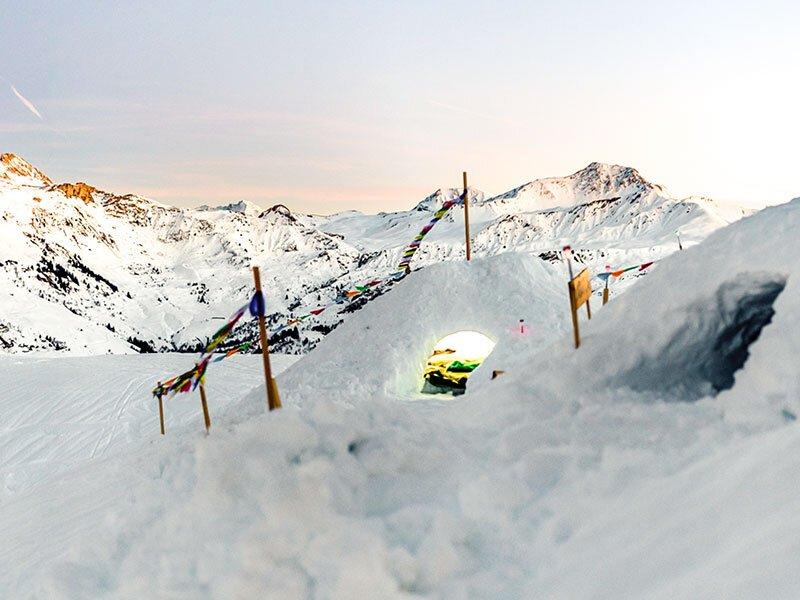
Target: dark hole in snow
<point>703,356</point>
<point>355,446</point>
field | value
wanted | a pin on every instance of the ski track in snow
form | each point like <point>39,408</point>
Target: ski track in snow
<point>82,413</point>
<point>87,411</point>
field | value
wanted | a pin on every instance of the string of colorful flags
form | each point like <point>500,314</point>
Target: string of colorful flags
<point>188,381</point>
<point>404,266</point>
<point>191,379</point>
<point>618,272</point>
<point>402,271</point>
<point>225,330</point>
<point>342,298</point>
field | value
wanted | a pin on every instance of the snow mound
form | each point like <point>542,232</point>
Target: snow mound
<point>383,348</point>
<point>720,318</point>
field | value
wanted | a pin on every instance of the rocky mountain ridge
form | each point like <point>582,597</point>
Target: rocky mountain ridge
<point>88,271</point>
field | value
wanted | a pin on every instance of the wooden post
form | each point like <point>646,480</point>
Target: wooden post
<point>273,398</point>
<point>161,409</point>
<point>605,294</point>
<point>466,218</point>
<point>576,331</point>
<point>204,402</point>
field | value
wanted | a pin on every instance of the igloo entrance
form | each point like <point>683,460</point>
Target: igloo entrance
<point>453,360</point>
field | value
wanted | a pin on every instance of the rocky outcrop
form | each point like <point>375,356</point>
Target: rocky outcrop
<point>80,190</point>
<point>18,170</point>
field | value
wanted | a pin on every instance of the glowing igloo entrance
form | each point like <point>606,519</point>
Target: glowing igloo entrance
<point>453,360</point>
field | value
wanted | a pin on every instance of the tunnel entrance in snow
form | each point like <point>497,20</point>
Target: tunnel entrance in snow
<point>453,360</point>
<point>712,344</point>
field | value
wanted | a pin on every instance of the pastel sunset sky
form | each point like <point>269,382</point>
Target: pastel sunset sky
<point>326,106</point>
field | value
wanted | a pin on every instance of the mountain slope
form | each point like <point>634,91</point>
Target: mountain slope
<point>88,271</point>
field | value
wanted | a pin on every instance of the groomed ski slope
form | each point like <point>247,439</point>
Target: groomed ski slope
<point>64,417</point>
<point>639,466</point>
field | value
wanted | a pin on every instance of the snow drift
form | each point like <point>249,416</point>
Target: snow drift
<point>717,318</point>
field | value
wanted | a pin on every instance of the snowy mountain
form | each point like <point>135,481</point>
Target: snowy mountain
<point>89,272</point>
<point>18,171</point>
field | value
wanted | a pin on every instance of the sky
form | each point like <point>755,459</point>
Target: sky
<point>327,106</point>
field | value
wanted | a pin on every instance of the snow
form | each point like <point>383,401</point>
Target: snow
<point>489,296</point>
<point>114,273</point>
<point>659,460</point>
<point>74,422</point>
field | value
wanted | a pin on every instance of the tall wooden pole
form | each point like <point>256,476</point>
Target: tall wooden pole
<point>273,398</point>
<point>204,402</point>
<point>161,409</point>
<point>466,218</point>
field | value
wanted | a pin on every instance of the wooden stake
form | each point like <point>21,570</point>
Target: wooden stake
<point>605,294</point>
<point>466,218</point>
<point>575,328</point>
<point>204,402</point>
<point>273,398</point>
<point>161,410</point>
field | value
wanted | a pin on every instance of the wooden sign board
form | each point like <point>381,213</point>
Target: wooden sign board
<point>580,290</point>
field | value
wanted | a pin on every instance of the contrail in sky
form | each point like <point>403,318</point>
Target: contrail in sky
<point>31,107</point>
<point>28,104</point>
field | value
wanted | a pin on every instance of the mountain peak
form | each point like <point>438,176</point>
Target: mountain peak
<point>280,209</point>
<point>278,213</point>
<point>440,196</point>
<point>18,170</point>
<point>599,175</point>
<point>596,181</point>
<point>244,207</point>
